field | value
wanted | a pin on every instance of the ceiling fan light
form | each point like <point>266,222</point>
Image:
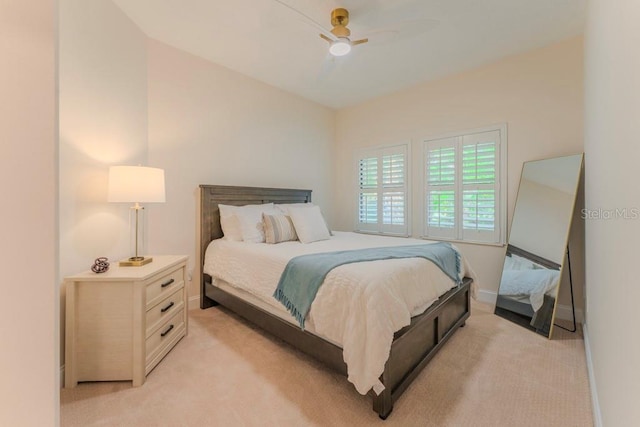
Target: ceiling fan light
<point>340,47</point>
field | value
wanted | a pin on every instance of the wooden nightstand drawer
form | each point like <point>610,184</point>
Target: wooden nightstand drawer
<point>165,285</point>
<point>159,313</point>
<point>165,337</point>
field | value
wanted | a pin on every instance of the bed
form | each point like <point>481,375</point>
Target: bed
<point>413,346</point>
<point>528,289</point>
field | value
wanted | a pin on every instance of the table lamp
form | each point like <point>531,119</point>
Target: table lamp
<point>136,184</point>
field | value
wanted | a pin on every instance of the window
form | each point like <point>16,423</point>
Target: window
<point>462,196</point>
<point>382,190</point>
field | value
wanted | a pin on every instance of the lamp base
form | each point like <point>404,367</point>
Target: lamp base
<point>135,261</point>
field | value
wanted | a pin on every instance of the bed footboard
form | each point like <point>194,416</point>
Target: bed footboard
<point>415,345</point>
<point>412,349</point>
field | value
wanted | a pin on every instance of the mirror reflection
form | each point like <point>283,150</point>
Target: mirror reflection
<point>537,244</point>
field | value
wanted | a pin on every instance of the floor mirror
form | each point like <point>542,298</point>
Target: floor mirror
<point>537,248</point>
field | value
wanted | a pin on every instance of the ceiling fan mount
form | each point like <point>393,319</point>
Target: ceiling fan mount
<point>339,21</point>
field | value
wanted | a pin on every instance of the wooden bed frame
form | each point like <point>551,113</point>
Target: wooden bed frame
<point>413,346</point>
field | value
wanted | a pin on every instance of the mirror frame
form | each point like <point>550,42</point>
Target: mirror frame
<point>511,249</point>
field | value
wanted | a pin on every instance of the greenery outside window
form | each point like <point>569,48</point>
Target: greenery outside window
<point>463,197</point>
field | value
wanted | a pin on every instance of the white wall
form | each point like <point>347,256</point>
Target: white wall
<point>211,125</point>
<point>29,389</point>
<point>103,122</point>
<point>612,150</point>
<point>538,94</point>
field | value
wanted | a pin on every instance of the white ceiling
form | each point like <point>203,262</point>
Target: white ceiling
<point>411,40</point>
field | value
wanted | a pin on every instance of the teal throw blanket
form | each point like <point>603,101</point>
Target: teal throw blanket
<point>304,274</point>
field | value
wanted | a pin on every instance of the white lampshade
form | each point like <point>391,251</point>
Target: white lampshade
<point>136,184</point>
<point>340,47</point>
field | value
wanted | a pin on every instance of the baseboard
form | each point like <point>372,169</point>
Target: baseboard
<point>564,312</point>
<point>597,416</point>
<point>488,297</point>
<point>194,302</point>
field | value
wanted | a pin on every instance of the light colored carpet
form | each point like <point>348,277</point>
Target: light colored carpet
<point>228,373</point>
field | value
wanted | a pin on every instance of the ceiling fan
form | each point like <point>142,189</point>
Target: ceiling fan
<point>338,36</point>
<point>342,44</point>
<point>384,21</point>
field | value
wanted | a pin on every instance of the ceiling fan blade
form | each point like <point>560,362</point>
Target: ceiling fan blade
<point>326,34</point>
<point>357,42</point>
<point>400,30</point>
<point>330,40</point>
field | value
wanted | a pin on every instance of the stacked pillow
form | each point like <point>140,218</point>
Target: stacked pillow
<point>273,223</point>
<point>244,223</point>
<point>309,223</point>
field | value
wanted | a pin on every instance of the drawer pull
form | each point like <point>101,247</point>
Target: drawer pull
<point>167,283</point>
<point>167,331</point>
<point>162,310</point>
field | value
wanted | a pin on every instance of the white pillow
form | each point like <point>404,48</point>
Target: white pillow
<point>284,207</point>
<point>229,223</point>
<point>309,223</point>
<point>515,262</point>
<point>250,221</point>
<point>243,222</point>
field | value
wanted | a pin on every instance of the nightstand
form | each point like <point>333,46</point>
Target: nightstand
<point>120,324</point>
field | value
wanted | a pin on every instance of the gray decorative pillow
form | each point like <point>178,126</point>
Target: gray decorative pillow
<point>278,228</point>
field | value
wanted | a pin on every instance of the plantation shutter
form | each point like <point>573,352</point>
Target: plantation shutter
<point>383,190</point>
<point>462,188</point>
<point>480,187</point>
<point>368,195</point>
<point>441,188</point>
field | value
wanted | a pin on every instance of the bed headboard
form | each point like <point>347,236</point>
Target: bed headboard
<point>531,257</point>
<point>212,195</point>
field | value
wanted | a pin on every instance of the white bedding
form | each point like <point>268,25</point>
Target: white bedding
<point>359,306</point>
<point>523,278</point>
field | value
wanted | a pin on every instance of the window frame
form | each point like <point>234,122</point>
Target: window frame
<point>456,139</point>
<point>379,151</point>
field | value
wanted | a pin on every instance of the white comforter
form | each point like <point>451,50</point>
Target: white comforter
<point>521,277</point>
<point>359,306</point>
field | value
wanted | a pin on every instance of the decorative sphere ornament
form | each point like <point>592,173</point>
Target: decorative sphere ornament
<point>101,265</point>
